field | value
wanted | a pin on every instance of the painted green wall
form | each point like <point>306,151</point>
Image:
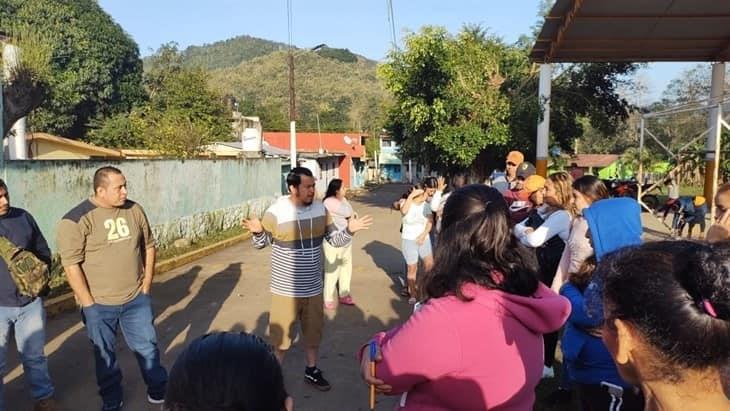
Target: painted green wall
<point>187,198</point>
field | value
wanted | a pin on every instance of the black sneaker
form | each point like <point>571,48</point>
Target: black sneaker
<point>313,375</point>
<point>559,397</point>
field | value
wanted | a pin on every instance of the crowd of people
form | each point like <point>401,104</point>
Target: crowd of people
<point>532,260</point>
<point>506,272</point>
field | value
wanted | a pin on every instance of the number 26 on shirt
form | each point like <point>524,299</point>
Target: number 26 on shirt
<point>117,229</point>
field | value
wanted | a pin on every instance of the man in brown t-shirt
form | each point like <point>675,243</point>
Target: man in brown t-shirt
<point>108,253</point>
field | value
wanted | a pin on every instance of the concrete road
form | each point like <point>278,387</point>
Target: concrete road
<point>230,291</point>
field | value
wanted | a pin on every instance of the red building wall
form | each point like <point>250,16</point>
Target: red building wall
<point>331,142</point>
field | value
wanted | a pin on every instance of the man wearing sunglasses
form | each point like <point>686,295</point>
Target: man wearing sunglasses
<point>504,182</point>
<point>720,229</point>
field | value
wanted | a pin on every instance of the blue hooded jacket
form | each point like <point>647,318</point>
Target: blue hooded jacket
<point>614,224</point>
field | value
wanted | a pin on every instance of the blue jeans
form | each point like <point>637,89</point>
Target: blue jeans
<point>136,322</point>
<point>30,337</point>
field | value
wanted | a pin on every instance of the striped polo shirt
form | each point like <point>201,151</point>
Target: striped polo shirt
<point>296,235</point>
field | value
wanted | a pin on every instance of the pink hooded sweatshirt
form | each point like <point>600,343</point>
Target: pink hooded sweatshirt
<point>486,354</point>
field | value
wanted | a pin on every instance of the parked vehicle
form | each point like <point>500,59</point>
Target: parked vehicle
<point>630,188</point>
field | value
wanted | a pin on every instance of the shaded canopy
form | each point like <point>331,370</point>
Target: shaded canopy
<point>634,31</point>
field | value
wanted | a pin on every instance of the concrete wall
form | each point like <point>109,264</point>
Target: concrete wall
<point>190,198</point>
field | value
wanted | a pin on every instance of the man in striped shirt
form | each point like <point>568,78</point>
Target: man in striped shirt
<point>296,226</point>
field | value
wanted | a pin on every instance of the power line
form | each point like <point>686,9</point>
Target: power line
<point>290,21</point>
<point>391,21</point>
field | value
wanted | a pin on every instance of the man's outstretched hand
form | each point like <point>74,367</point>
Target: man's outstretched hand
<point>252,224</point>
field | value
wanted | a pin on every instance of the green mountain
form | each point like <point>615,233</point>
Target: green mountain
<point>229,53</point>
<point>345,95</point>
<point>336,85</point>
<point>234,51</point>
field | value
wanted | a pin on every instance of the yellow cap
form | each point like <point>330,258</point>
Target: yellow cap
<point>534,182</point>
<point>699,201</point>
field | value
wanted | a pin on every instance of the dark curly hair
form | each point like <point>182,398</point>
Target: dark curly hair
<point>661,289</point>
<point>475,241</point>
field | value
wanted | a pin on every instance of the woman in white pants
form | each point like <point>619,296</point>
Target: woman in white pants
<point>337,260</point>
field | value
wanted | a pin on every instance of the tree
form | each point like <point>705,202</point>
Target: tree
<point>26,86</point>
<point>466,100</point>
<point>180,116</point>
<point>448,106</point>
<point>95,67</point>
<point>183,114</point>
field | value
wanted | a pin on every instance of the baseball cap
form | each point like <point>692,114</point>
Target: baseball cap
<point>525,169</point>
<point>534,183</point>
<point>515,157</point>
<point>699,201</point>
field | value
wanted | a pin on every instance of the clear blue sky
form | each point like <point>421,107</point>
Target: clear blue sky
<point>361,26</point>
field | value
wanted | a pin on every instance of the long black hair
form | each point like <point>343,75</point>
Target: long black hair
<point>476,242</point>
<point>332,189</point>
<point>677,294</point>
<point>226,371</point>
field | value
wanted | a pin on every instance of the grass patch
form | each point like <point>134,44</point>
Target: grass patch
<point>59,285</point>
<point>171,252</point>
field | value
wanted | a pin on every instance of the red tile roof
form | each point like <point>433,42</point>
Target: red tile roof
<point>309,142</point>
<point>593,160</point>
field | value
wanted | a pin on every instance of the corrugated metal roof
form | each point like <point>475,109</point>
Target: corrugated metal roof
<point>635,31</point>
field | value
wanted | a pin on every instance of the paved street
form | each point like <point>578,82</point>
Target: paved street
<point>229,291</point>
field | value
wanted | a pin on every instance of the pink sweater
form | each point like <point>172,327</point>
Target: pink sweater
<point>486,354</point>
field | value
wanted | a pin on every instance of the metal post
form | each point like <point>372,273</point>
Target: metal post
<point>377,167</point>
<point>319,133</point>
<point>293,143</point>
<point>711,146</point>
<point>543,127</point>
<point>716,170</point>
<point>641,163</point>
<point>292,112</point>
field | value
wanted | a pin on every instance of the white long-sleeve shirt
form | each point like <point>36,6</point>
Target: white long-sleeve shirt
<point>437,204</point>
<point>557,223</point>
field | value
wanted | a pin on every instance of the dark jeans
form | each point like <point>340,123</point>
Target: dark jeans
<point>597,398</point>
<point>136,322</point>
<point>550,344</point>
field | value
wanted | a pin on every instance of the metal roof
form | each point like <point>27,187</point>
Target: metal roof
<point>634,31</point>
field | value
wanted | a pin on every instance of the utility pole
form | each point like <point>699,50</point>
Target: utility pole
<point>292,103</point>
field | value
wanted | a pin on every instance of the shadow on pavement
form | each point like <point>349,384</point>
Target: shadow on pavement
<point>390,260</point>
<point>383,196</point>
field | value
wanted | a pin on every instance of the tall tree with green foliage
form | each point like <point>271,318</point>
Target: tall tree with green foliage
<point>95,72</point>
<point>181,115</point>
<point>465,100</point>
<point>448,105</point>
<point>26,86</point>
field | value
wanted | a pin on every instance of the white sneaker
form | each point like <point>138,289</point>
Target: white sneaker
<point>547,372</point>
<point>154,401</point>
